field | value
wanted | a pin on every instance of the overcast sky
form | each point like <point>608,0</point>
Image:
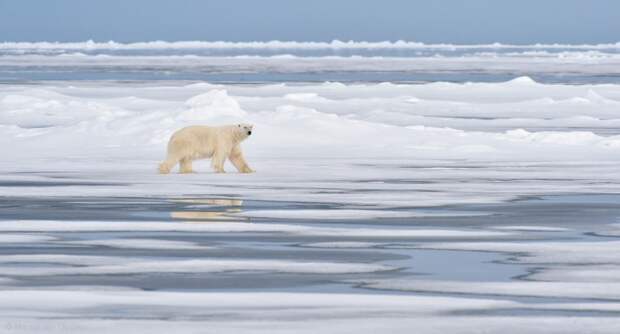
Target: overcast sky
<point>431,21</point>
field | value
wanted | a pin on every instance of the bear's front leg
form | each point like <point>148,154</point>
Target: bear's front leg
<point>217,162</point>
<point>186,166</point>
<point>236,157</point>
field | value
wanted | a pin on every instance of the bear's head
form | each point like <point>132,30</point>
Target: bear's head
<point>244,130</point>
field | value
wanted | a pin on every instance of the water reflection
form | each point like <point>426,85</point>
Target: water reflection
<point>209,210</point>
<point>211,201</point>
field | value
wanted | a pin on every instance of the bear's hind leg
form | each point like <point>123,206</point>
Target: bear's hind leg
<point>186,166</point>
<point>167,165</point>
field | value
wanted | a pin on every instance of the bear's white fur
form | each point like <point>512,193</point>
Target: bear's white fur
<point>199,142</point>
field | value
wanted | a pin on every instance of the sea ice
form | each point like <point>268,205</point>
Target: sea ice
<point>589,290</point>
<point>96,265</point>
<point>375,145</point>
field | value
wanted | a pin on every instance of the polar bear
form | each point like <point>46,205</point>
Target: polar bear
<point>216,142</point>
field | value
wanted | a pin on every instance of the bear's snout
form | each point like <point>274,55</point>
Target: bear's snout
<point>249,133</point>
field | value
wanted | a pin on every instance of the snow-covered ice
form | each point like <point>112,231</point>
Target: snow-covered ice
<point>354,137</point>
<point>270,312</point>
<point>594,252</point>
<point>16,238</point>
<point>458,207</point>
<point>586,290</point>
<point>141,243</point>
<point>349,214</point>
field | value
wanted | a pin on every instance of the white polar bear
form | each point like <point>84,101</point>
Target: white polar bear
<point>199,142</point>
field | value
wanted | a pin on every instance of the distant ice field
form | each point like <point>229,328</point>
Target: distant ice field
<point>277,61</point>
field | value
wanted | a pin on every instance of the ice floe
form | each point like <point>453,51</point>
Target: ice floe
<point>532,228</point>
<point>556,252</point>
<point>342,244</point>
<point>588,290</point>
<point>228,227</point>
<point>25,238</point>
<point>98,265</point>
<point>281,312</point>
<point>140,243</point>
<point>336,214</point>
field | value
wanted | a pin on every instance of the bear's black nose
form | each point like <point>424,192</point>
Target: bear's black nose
<point>249,133</point>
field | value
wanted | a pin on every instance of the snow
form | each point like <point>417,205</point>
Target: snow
<point>224,227</point>
<point>349,214</point>
<point>598,273</point>
<point>361,180</point>
<point>145,117</point>
<point>141,244</point>
<point>214,101</point>
<point>372,145</point>
<point>532,228</point>
<point>342,244</point>
<point>281,312</point>
<point>438,324</point>
<point>26,238</point>
<point>591,290</point>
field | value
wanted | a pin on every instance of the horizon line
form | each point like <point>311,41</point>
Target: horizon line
<point>284,44</point>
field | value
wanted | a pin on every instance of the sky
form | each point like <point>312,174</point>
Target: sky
<point>430,21</point>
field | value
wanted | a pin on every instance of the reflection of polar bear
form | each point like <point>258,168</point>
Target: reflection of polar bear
<point>216,142</point>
